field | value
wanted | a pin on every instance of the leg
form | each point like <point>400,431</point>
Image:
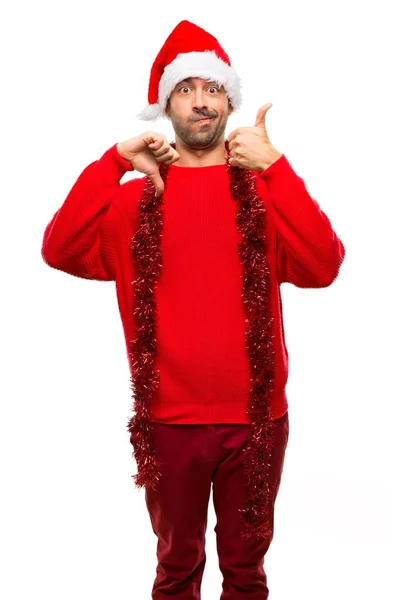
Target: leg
<point>241,561</point>
<point>179,508</point>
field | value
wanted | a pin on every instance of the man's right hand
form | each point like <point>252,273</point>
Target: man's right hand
<point>145,152</point>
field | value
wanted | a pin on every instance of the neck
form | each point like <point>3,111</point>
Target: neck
<point>190,157</point>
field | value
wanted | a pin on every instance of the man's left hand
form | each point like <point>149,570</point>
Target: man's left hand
<point>250,147</point>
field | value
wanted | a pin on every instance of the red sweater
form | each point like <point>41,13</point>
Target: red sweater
<point>202,357</point>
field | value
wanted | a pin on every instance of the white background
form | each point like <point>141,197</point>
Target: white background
<point>74,77</point>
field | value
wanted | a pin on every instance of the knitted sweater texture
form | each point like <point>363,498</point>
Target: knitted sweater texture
<point>202,359</point>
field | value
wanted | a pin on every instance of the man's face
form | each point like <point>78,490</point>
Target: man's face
<point>192,99</point>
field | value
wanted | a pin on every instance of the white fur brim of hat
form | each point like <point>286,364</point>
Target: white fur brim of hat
<point>206,65</point>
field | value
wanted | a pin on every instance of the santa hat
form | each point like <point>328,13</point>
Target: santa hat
<point>189,51</point>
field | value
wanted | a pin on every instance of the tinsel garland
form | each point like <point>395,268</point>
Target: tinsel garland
<point>147,257</point>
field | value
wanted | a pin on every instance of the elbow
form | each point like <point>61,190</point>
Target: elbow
<point>48,252</point>
<point>333,273</point>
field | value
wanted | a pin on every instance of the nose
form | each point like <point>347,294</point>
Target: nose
<point>199,101</point>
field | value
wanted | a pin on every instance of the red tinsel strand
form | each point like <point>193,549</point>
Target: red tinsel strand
<point>147,257</point>
<point>250,220</point>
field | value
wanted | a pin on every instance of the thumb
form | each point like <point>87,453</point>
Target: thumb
<point>158,182</point>
<point>261,115</point>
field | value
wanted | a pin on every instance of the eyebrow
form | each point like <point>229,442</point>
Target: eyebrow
<point>190,79</point>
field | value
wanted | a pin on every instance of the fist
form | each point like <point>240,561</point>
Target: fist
<point>145,152</point>
<point>250,147</point>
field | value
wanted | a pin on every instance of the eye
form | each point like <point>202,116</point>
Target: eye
<point>211,87</point>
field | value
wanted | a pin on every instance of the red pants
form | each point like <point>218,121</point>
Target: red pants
<point>194,458</point>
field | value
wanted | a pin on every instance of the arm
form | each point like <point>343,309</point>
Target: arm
<point>309,253</point>
<point>79,239</point>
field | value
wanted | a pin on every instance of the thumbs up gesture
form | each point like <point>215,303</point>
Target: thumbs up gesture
<point>250,147</point>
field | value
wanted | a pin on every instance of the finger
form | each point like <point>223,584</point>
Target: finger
<point>156,140</point>
<point>167,155</point>
<point>163,157</point>
<point>162,150</point>
<point>156,145</point>
<point>150,137</point>
<point>173,159</point>
<point>232,144</point>
<point>261,115</point>
<point>158,183</point>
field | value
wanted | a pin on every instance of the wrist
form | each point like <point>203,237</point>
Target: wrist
<point>121,151</point>
<point>121,159</point>
<point>270,159</point>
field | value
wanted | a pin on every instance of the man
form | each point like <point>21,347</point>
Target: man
<point>198,248</point>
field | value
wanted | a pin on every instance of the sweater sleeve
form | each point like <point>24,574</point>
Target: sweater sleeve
<point>309,253</point>
<point>80,238</point>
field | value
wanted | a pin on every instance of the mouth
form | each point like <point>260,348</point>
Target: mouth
<point>204,120</point>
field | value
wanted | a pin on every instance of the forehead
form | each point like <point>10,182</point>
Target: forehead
<point>195,80</point>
